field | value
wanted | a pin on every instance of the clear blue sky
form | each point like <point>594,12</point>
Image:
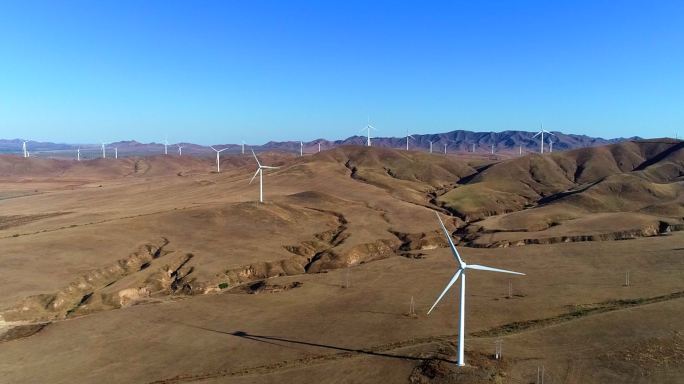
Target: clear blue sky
<point>223,71</point>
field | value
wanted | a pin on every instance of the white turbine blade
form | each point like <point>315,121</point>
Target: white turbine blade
<point>537,134</point>
<point>255,158</point>
<point>267,167</point>
<point>222,150</point>
<point>255,174</point>
<point>485,268</point>
<point>451,243</point>
<point>451,282</point>
<point>372,127</point>
<point>549,133</point>
<point>213,148</point>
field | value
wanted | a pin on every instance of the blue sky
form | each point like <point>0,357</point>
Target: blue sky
<point>223,71</point>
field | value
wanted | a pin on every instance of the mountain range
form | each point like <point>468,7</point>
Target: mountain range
<point>456,141</point>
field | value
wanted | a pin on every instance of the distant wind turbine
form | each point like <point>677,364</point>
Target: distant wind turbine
<point>492,149</point>
<point>319,147</point>
<point>104,153</point>
<point>243,147</point>
<point>541,132</point>
<point>78,154</point>
<point>550,145</point>
<point>166,146</point>
<point>180,149</point>
<point>407,139</point>
<point>23,148</point>
<point>116,152</point>
<point>520,153</point>
<point>473,148</point>
<point>445,146</point>
<point>301,149</point>
<point>260,172</point>
<point>461,272</point>
<point>430,141</point>
<point>368,128</point>
<point>218,160</point>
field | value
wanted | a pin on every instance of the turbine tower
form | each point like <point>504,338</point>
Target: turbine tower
<point>180,150</point>
<point>243,147</point>
<point>407,139</point>
<point>541,132</point>
<point>116,152</point>
<point>550,145</point>
<point>260,172</point>
<point>368,128</point>
<point>319,147</point>
<point>430,141</point>
<point>218,160</point>
<point>23,148</point>
<point>78,154</point>
<point>104,154</point>
<point>166,146</point>
<point>461,272</point>
<point>301,149</point>
<point>445,145</point>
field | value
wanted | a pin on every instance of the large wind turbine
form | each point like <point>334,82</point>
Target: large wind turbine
<point>461,272</point>
<point>260,172</point>
<point>78,154</point>
<point>541,132</point>
<point>407,139</point>
<point>218,161</point>
<point>301,149</point>
<point>180,149</point>
<point>368,128</point>
<point>104,154</point>
<point>243,147</point>
<point>23,148</point>
<point>166,146</point>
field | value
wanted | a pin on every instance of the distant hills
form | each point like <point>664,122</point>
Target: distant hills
<point>456,141</point>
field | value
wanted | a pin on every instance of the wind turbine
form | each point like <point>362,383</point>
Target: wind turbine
<point>368,128</point>
<point>23,148</point>
<point>550,145</point>
<point>260,172</point>
<point>116,152</point>
<point>461,272</point>
<point>319,147</point>
<point>407,139</point>
<point>520,153</point>
<point>104,154</point>
<point>218,162</point>
<point>445,145</point>
<point>473,148</point>
<point>78,154</point>
<point>301,149</point>
<point>541,132</point>
<point>180,149</point>
<point>430,141</point>
<point>492,149</point>
<point>243,147</point>
<point>166,146</point>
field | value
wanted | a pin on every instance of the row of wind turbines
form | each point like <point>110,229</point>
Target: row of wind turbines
<point>368,128</point>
